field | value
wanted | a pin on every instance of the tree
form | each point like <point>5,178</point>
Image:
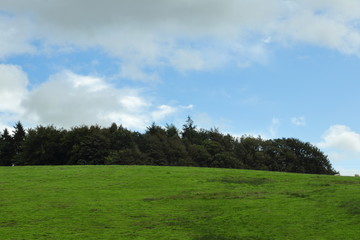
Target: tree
<point>252,154</point>
<point>158,146</point>
<point>121,138</point>
<point>176,152</point>
<point>226,160</point>
<point>125,157</point>
<point>7,151</point>
<point>292,155</point>
<point>155,145</point>
<point>43,146</point>
<point>87,145</point>
<point>171,131</point>
<point>199,155</point>
<point>18,139</point>
<point>189,132</point>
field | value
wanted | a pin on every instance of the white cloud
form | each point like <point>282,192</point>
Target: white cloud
<point>13,90</point>
<point>298,121</point>
<point>68,99</point>
<point>342,145</point>
<point>341,137</point>
<point>322,30</point>
<point>91,84</point>
<point>188,107</point>
<point>13,82</point>
<point>138,122</point>
<point>163,111</point>
<point>133,103</point>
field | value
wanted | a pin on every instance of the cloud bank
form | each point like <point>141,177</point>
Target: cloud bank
<point>145,36</point>
<point>341,137</point>
<point>68,99</point>
<point>181,34</point>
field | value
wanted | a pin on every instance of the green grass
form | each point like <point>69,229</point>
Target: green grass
<point>141,202</point>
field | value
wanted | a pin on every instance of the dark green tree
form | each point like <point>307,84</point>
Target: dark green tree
<point>171,131</point>
<point>226,160</point>
<point>176,151</point>
<point>158,146</point>
<point>155,145</point>
<point>43,146</point>
<point>292,155</point>
<point>199,155</point>
<point>18,139</point>
<point>252,155</point>
<point>125,156</point>
<point>7,151</point>
<point>119,137</point>
<point>189,132</point>
<point>88,146</point>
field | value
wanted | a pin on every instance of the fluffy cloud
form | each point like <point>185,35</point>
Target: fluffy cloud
<point>154,34</point>
<point>163,111</point>
<point>13,90</point>
<point>68,99</point>
<point>342,145</point>
<point>13,82</point>
<point>342,138</point>
<point>181,34</point>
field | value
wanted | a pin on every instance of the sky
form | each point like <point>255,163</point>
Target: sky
<point>269,68</point>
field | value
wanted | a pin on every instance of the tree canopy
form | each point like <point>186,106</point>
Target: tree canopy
<point>158,145</point>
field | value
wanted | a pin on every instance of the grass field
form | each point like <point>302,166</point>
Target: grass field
<point>142,202</point>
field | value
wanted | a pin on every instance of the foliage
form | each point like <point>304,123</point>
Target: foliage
<point>43,146</point>
<point>7,151</point>
<point>169,146</point>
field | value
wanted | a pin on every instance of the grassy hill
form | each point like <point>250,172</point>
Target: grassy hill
<point>142,202</point>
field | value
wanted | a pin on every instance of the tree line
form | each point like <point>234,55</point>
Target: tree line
<point>163,146</point>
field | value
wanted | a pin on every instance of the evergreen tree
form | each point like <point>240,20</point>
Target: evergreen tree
<point>155,145</point>
<point>189,132</point>
<point>171,131</point>
<point>199,155</point>
<point>88,145</point>
<point>7,151</point>
<point>18,139</point>
<point>43,146</point>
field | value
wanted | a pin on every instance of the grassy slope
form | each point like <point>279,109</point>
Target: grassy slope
<point>139,202</point>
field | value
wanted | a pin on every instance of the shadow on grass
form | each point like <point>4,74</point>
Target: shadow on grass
<point>242,180</point>
<point>9,223</point>
<point>212,237</point>
<point>297,194</point>
<point>210,196</point>
<point>352,207</point>
<point>346,182</point>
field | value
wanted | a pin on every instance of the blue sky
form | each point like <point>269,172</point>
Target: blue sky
<point>274,68</point>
